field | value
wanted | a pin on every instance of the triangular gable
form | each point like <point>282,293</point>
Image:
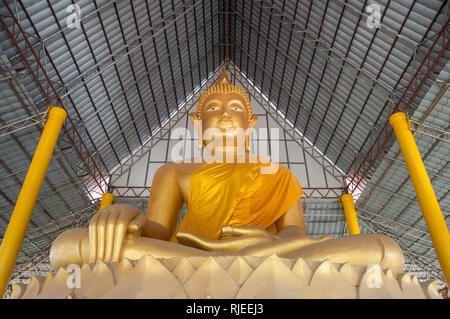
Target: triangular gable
<point>318,176</point>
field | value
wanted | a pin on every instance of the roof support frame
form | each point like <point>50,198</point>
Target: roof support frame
<point>322,44</point>
<point>289,129</point>
<point>431,270</point>
<point>158,64</point>
<point>135,82</point>
<point>62,153</point>
<point>167,45</point>
<point>321,85</point>
<point>165,130</point>
<point>362,67</point>
<point>82,79</point>
<point>286,56</point>
<point>382,26</point>
<point>308,73</point>
<point>39,119</point>
<point>415,84</point>
<point>43,41</point>
<point>394,160</point>
<point>189,52</point>
<point>310,110</point>
<point>92,71</point>
<point>49,91</point>
<point>139,114</point>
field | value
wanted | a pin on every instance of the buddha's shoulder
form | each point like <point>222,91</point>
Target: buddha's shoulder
<point>284,168</point>
<point>273,166</point>
<point>178,168</point>
<point>187,167</point>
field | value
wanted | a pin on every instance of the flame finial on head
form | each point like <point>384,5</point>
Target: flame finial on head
<point>223,77</point>
<point>224,85</point>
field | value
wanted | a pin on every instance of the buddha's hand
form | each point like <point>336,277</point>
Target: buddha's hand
<point>108,229</point>
<point>241,237</point>
<point>292,238</point>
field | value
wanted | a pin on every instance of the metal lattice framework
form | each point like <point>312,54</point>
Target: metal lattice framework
<point>121,187</point>
<point>33,64</point>
<point>134,69</point>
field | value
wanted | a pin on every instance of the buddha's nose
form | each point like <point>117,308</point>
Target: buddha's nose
<point>225,115</point>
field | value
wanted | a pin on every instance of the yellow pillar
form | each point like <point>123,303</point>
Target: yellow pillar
<point>107,199</point>
<point>350,214</point>
<point>21,215</point>
<point>427,199</point>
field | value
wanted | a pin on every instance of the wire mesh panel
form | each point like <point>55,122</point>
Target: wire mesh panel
<point>327,74</point>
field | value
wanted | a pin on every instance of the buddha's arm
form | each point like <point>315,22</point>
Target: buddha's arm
<point>110,226</point>
<point>164,204</point>
<point>292,233</point>
<point>291,236</point>
<point>292,223</point>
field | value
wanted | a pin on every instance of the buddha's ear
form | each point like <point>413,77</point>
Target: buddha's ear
<point>196,121</point>
<point>252,122</point>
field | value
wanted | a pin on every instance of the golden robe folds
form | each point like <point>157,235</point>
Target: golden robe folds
<point>237,194</point>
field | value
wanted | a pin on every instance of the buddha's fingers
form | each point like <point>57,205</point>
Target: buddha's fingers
<point>239,243</point>
<point>121,230</point>
<point>306,241</point>
<point>110,226</point>
<point>225,245</point>
<point>192,240</point>
<point>137,224</point>
<point>93,238</point>
<point>101,233</point>
<point>282,247</point>
<point>251,231</point>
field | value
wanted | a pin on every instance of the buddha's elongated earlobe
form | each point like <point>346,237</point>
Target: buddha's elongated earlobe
<point>198,127</point>
<point>252,124</point>
<point>200,142</point>
<point>247,143</point>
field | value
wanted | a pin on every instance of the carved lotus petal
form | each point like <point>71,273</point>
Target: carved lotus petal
<point>149,279</point>
<point>183,270</point>
<point>411,287</point>
<point>430,289</point>
<point>122,269</point>
<point>17,290</point>
<point>302,270</point>
<point>210,279</point>
<point>273,279</point>
<point>57,287</point>
<point>327,282</point>
<point>240,270</point>
<point>96,282</point>
<point>33,288</point>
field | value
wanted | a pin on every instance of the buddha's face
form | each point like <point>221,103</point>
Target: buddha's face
<point>224,118</point>
<point>224,111</point>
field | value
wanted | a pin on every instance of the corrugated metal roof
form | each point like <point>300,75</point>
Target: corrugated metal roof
<point>390,192</point>
<point>132,64</point>
<point>322,63</point>
<point>60,193</point>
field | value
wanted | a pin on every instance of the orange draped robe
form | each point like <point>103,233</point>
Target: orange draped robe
<point>237,194</point>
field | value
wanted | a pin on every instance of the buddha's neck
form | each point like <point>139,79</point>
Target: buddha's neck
<point>227,153</point>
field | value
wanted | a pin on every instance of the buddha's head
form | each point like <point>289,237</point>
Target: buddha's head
<point>224,107</point>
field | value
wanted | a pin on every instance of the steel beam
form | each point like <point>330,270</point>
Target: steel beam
<point>32,63</point>
<point>425,69</point>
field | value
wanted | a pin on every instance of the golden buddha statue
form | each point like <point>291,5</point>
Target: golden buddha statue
<point>233,208</point>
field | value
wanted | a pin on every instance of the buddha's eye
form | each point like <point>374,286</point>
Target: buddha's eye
<point>236,108</point>
<point>212,108</point>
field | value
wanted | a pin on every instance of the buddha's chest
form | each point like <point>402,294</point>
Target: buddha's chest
<point>183,177</point>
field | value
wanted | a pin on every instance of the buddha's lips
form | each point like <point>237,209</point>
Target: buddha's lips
<point>225,124</point>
